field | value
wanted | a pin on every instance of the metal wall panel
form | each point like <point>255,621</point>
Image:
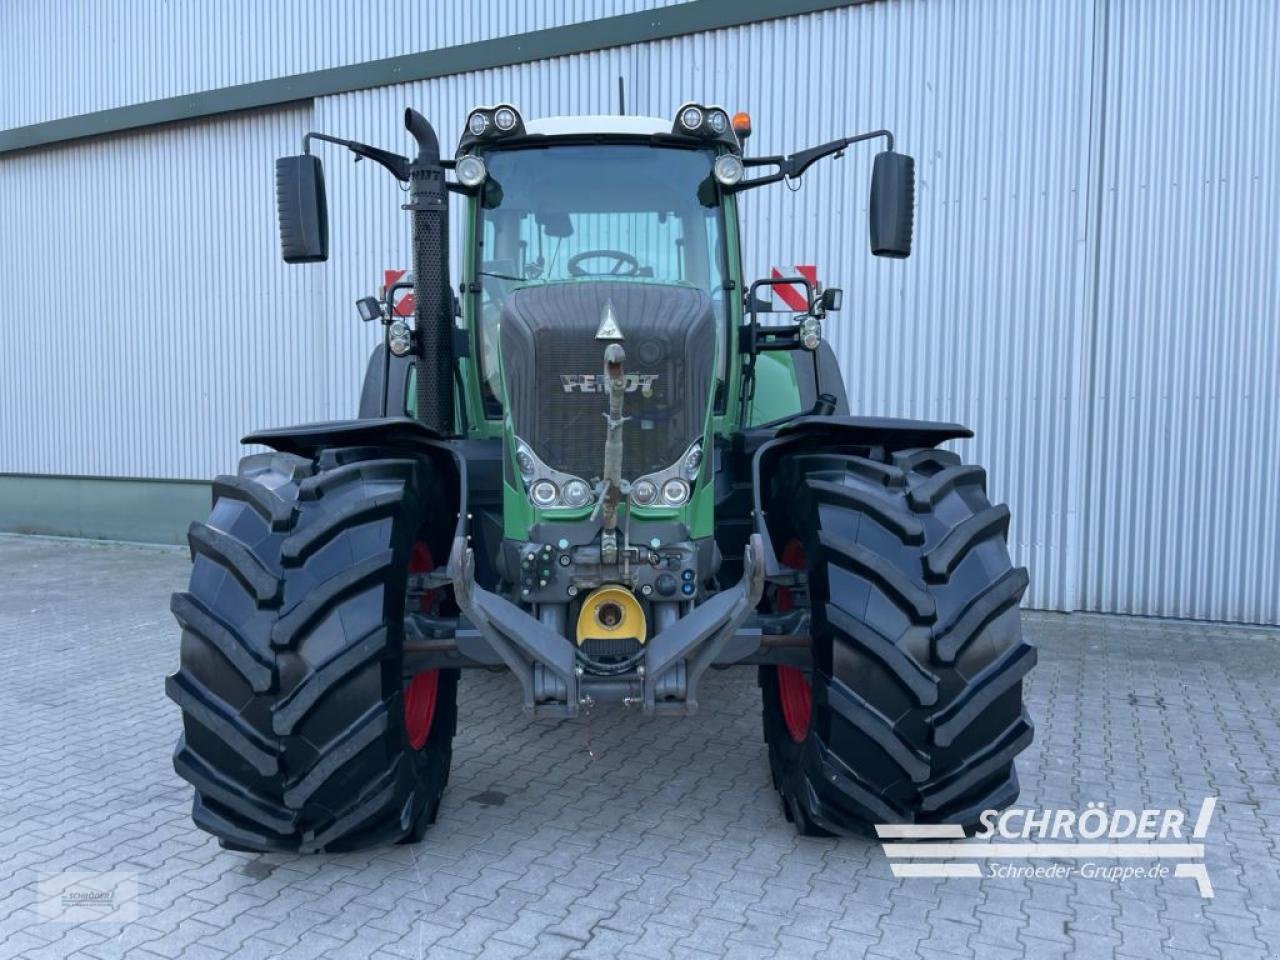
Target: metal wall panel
<point>67,57</point>
<point>1184,479</point>
<point>147,318</point>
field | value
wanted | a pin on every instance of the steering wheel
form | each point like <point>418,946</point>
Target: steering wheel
<point>623,260</point>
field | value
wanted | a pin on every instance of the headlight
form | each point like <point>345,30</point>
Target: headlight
<point>644,492</point>
<point>718,121</point>
<point>477,123</point>
<point>576,494</point>
<point>504,119</point>
<point>810,333</point>
<point>728,169</point>
<point>399,338</point>
<point>691,118</point>
<point>692,461</point>
<point>524,463</point>
<point>470,171</point>
<point>675,492</point>
<point>543,493</point>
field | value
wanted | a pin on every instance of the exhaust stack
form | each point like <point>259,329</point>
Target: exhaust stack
<point>433,298</point>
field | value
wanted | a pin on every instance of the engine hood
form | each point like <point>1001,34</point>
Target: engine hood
<point>553,366</point>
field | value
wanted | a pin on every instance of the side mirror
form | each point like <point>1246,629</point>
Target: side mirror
<point>893,201</point>
<point>302,210</point>
<point>831,300</point>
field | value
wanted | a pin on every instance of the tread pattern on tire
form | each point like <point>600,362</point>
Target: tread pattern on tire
<point>919,660</point>
<point>290,679</point>
<point>193,615</point>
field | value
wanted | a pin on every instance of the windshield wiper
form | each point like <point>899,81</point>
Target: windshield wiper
<point>500,276</point>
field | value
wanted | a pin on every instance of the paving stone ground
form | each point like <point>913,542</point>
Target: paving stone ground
<point>614,835</point>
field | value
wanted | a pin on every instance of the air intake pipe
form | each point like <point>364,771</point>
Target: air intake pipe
<point>433,298</point>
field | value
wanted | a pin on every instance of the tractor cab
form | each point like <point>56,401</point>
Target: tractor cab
<point>590,236</point>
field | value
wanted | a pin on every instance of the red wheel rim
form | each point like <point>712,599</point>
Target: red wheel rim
<point>797,701</point>
<point>794,692</point>
<point>420,695</point>
<point>420,707</point>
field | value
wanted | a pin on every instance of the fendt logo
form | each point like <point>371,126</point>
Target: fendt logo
<point>595,383</point>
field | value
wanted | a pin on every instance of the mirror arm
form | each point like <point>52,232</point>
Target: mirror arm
<point>797,163</point>
<point>398,165</point>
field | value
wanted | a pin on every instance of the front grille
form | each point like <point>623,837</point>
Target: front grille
<point>554,368</point>
<point>599,649</point>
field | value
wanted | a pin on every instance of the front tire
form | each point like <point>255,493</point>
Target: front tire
<point>296,734</point>
<point>914,706</point>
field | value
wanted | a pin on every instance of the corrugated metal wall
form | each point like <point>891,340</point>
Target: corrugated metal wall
<point>1108,329</point>
<point>63,58</point>
<point>1184,481</point>
<point>147,320</point>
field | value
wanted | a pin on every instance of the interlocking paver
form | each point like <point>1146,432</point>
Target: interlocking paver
<point>613,835</point>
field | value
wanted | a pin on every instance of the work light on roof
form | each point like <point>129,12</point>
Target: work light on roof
<point>478,123</point>
<point>691,118</point>
<point>706,123</point>
<point>504,118</point>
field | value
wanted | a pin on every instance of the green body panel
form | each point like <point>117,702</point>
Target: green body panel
<point>777,393</point>
<point>518,514</point>
<point>479,426</point>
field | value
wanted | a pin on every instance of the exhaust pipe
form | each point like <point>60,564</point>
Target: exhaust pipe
<point>433,298</point>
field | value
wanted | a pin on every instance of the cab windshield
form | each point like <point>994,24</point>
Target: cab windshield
<point>582,212</point>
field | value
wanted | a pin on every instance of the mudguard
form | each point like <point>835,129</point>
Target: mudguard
<point>305,439</point>
<point>401,434</point>
<point>385,387</point>
<point>819,433</point>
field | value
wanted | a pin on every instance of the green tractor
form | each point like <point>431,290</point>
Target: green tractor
<point>597,466</point>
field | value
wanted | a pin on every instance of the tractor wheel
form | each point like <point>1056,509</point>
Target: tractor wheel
<point>300,731</point>
<point>913,710</point>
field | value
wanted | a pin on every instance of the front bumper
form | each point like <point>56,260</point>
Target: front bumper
<point>543,660</point>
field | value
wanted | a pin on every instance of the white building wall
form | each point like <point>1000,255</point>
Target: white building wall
<point>1093,287</point>
<point>63,58</point>
<point>147,319</point>
<point>1184,482</point>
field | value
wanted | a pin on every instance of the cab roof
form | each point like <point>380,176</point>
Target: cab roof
<point>607,124</point>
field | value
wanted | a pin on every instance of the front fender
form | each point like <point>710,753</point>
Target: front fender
<point>402,435</point>
<point>308,438</point>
